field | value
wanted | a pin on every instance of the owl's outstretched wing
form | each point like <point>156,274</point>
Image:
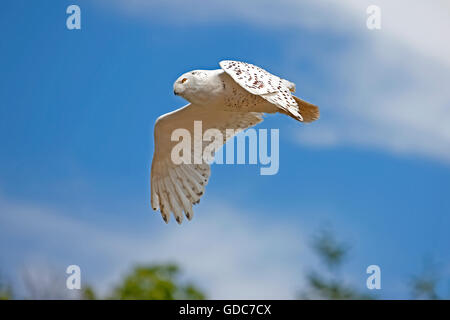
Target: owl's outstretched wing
<point>271,88</point>
<point>176,187</point>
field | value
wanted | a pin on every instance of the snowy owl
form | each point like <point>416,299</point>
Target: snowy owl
<point>233,97</point>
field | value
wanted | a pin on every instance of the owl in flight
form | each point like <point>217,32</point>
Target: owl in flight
<point>233,97</point>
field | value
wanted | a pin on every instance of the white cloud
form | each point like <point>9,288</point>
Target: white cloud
<point>421,24</point>
<point>386,102</point>
<point>392,82</point>
<point>222,250</point>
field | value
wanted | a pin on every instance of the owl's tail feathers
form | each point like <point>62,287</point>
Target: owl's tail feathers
<point>308,111</point>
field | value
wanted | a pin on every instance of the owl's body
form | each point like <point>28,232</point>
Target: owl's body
<point>233,97</point>
<point>236,98</point>
<point>221,92</point>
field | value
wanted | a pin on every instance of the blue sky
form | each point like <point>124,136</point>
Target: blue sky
<point>77,111</point>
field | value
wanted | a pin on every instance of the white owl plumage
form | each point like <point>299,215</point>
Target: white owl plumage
<point>233,97</point>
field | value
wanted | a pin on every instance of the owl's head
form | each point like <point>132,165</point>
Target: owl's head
<point>193,85</point>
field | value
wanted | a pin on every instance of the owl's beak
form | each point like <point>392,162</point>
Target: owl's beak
<point>175,93</point>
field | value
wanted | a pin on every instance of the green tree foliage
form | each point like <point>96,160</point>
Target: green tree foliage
<point>329,284</point>
<point>329,249</point>
<point>5,291</point>
<point>5,294</point>
<point>424,285</point>
<point>424,288</point>
<point>88,293</point>
<point>156,282</point>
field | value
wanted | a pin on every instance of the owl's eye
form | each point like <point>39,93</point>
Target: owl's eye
<point>184,80</point>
